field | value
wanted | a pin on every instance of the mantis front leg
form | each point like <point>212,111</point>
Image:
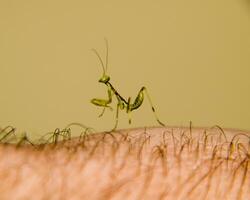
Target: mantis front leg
<point>103,102</point>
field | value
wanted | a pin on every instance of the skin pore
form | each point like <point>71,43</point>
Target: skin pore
<point>145,163</point>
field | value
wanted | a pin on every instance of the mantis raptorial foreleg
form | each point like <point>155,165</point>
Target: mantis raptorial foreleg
<point>103,102</point>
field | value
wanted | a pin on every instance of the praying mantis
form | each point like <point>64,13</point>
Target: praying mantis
<point>122,103</point>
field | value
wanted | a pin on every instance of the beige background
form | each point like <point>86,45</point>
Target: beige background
<point>193,56</point>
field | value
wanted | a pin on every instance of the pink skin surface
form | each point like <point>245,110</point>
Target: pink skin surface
<point>144,163</point>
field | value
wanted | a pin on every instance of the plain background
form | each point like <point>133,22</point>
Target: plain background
<point>193,56</point>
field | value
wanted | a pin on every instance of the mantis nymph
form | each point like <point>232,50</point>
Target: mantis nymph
<point>122,103</point>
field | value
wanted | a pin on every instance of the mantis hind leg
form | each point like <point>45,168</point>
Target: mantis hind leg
<point>138,101</point>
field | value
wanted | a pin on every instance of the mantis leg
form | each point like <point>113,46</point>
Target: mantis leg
<point>138,101</point>
<point>103,102</point>
<point>152,107</point>
<point>102,112</point>
<point>116,116</point>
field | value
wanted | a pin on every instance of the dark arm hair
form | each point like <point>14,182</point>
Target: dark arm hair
<point>146,163</point>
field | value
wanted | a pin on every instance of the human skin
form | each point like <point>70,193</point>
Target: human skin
<point>145,163</point>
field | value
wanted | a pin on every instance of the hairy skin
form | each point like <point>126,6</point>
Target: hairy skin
<point>145,163</point>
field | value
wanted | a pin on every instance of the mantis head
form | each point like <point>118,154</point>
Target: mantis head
<point>105,78</point>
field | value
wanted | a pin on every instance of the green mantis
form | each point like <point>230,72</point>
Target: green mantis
<point>122,103</point>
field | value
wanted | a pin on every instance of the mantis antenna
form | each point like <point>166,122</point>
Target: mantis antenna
<point>100,59</point>
<point>107,53</point>
<point>105,69</point>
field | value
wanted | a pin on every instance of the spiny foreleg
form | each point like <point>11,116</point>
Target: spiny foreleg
<point>103,102</point>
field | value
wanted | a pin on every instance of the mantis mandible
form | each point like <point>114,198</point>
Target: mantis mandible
<point>122,103</point>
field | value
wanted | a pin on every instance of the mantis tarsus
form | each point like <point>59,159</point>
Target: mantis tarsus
<point>122,103</point>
